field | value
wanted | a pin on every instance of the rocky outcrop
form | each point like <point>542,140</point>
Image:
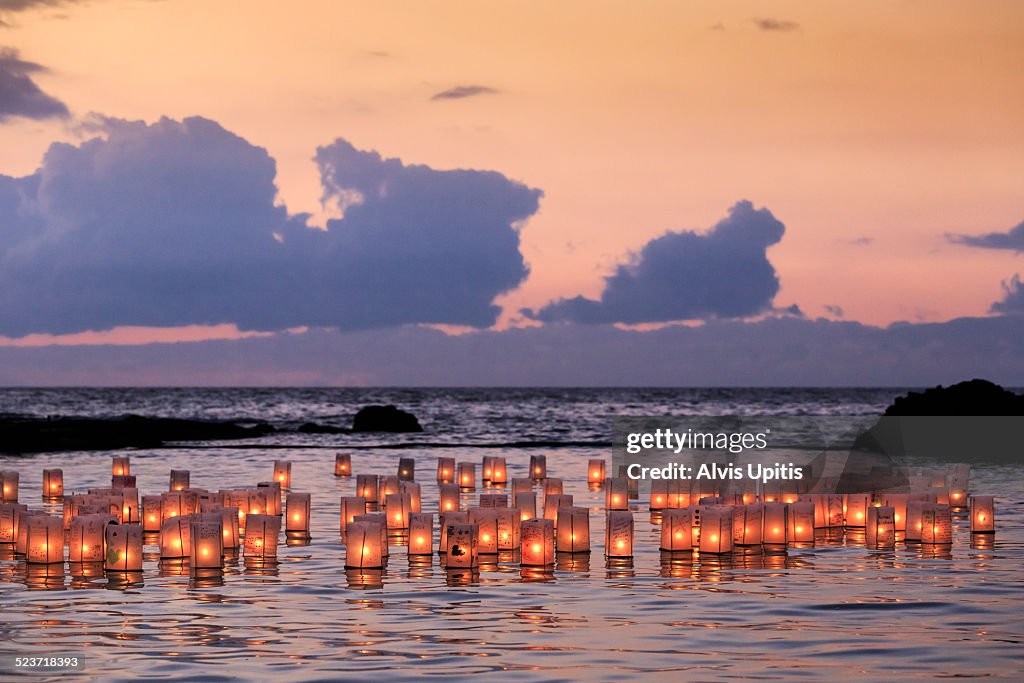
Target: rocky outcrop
<point>385,419</point>
<point>976,397</point>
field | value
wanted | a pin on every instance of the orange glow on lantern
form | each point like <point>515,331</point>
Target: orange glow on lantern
<point>343,465</point>
<point>538,467</point>
<point>207,538</point>
<point>596,471</point>
<point>262,534</point>
<point>53,483</point>
<point>447,519</point>
<point>298,509</point>
<point>659,494</point>
<point>936,524</point>
<point>677,531</point>
<point>552,503</point>
<point>493,500</point>
<point>85,537</point>
<point>151,513</point>
<point>982,514</point>
<point>448,497</point>
<point>9,521</point>
<point>486,522</point>
<point>461,550</point>
<point>350,507</point>
<point>445,470</point>
<point>44,542</point>
<point>363,546</point>
<point>801,523</point>
<point>880,528</point>
<point>283,473</point>
<point>552,487</point>
<point>398,506</point>
<point>406,469</point>
<point>415,493</point>
<point>526,504</point>
<point>175,538</point>
<point>123,548</point>
<point>716,529</point>
<point>467,475</point>
<point>367,486</point>
<point>616,495</point>
<point>421,533</point>
<point>10,480</point>
<point>538,542</point>
<point>573,530</point>
<point>618,533</point>
<point>499,471</point>
<point>120,466</point>
<point>748,524</point>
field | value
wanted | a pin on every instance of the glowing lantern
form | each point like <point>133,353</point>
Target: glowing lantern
<point>120,466</point>
<point>229,523</point>
<point>86,537</point>
<point>801,523</point>
<point>44,541</point>
<point>828,510</point>
<point>421,533</point>
<point>297,513</point>
<point>283,473</point>
<point>493,500</point>
<point>380,519</point>
<point>179,480</point>
<point>618,534</point>
<point>677,529</point>
<point>678,493</point>
<point>553,502</point>
<point>983,514</point>
<point>659,494</point>
<point>526,505</point>
<point>595,471</point>
<point>467,475</point>
<point>53,484</point>
<point>272,492</point>
<point>21,523</point>
<point>486,467</point>
<point>261,536</point>
<point>122,481</point>
<point>716,529</point>
<point>857,505</point>
<point>363,549</point>
<point>913,523</point>
<point>447,519</point>
<point>398,506</point>
<point>898,503</point>
<point>123,548</point>
<point>68,503</point>
<point>350,507</point>
<point>486,522</point>
<point>207,544</point>
<point>552,487</point>
<point>958,484</point>
<point>775,528</point>
<point>415,495</point>
<point>521,485</point>
<point>175,538</point>
<point>499,471</point>
<point>343,465</point>
<point>616,494</point>
<point>445,470</point>
<point>9,521</point>
<point>171,505</point>
<point>406,469</point>
<point>748,524</point>
<point>936,524</point>
<point>389,484</point>
<point>880,529</point>
<point>9,480</point>
<point>538,541</point>
<point>538,467</point>
<point>366,486</point>
<point>447,497</point>
<point>573,524</point>
<point>461,549</point>
<point>508,528</point>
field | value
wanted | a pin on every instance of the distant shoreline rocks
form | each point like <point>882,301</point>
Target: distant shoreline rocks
<point>385,419</point>
<point>972,398</point>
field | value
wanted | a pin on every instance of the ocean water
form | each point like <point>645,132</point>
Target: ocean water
<point>836,610</point>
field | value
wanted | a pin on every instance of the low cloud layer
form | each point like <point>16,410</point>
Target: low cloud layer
<point>463,91</point>
<point>20,95</point>
<point>723,273</point>
<point>1012,240</point>
<point>175,223</point>
<point>779,25</point>
<point>1012,302</point>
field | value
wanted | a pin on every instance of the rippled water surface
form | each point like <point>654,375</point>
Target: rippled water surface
<point>836,610</point>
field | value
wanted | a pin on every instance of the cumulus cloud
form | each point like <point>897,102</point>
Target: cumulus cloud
<point>780,25</point>
<point>464,91</point>
<point>19,94</point>
<point>723,273</point>
<point>175,223</point>
<point>1012,240</point>
<point>1013,298</point>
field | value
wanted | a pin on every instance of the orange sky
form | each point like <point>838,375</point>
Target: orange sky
<point>893,121</point>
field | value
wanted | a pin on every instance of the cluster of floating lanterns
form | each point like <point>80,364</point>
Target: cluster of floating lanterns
<point>107,525</point>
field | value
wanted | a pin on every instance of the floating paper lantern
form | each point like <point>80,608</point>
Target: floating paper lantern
<point>520,485</point>
<point>130,506</point>
<point>526,505</point>
<point>175,538</point>
<point>936,524</point>
<point>9,521</point>
<point>538,467</point>
<point>801,523</point>
<point>350,507</point>
<point>447,497</point>
<point>677,529</point>
<point>748,524</point>
<point>406,469</point>
<point>913,522</point>
<point>445,470</point>
<point>538,542</point>
<point>366,486</point>
<point>774,531</point>
<point>618,534</point>
<point>616,494</point>
<point>486,522</point>
<point>499,471</point>
<point>229,523</point>
<point>44,542</point>
<point>828,510</point>
<point>857,505</point>
<point>9,481</point>
<point>595,471</point>
<point>553,502</point>
<point>421,533</point>
<point>120,466</point>
<point>272,492</point>
<point>207,550</point>
<point>447,519</point>
<point>297,513</point>
<point>398,506</point>
<point>493,500</point>
<point>86,537</point>
<point>123,548</point>
<point>508,528</point>
<point>461,549</point>
<point>679,494</point>
<point>171,505</point>
<point>573,524</point>
<point>958,484</point>
<point>389,484</point>
<point>898,503</point>
<point>23,518</point>
<point>283,473</point>
<point>415,495</point>
<point>716,529</point>
<point>343,464</point>
<point>179,480</point>
<point>363,548</point>
<point>53,483</point>
<point>983,514</point>
<point>486,467</point>
<point>380,519</point>
<point>261,536</point>
<point>552,487</point>
<point>467,475</point>
<point>880,529</point>
<point>659,494</point>
<point>122,481</point>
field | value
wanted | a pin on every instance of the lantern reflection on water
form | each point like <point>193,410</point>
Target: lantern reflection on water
<point>9,481</point>
<point>343,465</point>
<point>53,483</point>
<point>363,546</point>
<point>44,542</point>
<point>573,524</point>
<point>297,513</point>
<point>461,549</point>
<point>880,530</point>
<point>421,533</point>
<point>350,507</point>
<point>283,473</point>
<point>538,467</point>
<point>716,529</point>
<point>123,548</point>
<point>618,533</point>
<point>538,543</point>
<point>616,494</point>
<point>677,529</point>
<point>406,469</point>
<point>447,497</point>
<point>983,514</point>
<point>445,470</point>
<point>179,480</point>
<point>398,506</point>
<point>261,536</point>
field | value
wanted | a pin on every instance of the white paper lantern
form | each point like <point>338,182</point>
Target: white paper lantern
<point>9,521</point>
<point>283,473</point>
<point>44,540</point>
<point>748,524</point>
<point>448,498</point>
<point>983,514</point>
<point>421,533</point>
<point>552,487</point>
<point>538,542</point>
<point>486,522</point>
<point>801,523</point>
<point>261,536</point>
<point>526,505</point>
<point>446,520</point>
<point>618,533</point>
<point>775,528</point>
<point>573,525</point>
<point>350,507</point>
<point>880,529</point>
<point>538,467</point>
<point>898,503</point>
<point>120,466</point>
<point>297,516</point>
<point>151,513</point>
<point>363,546</point>
<point>123,548</point>
<point>467,476</point>
<point>461,550</point>
<point>958,484</point>
<point>595,471</point>
<point>175,537</point>
<point>659,494</point>
<point>520,485</point>
<point>499,471</point>
<point>913,521</point>
<point>86,537</point>
<point>398,506</point>
<point>553,502</point>
<point>716,529</point>
<point>9,481</point>
<point>271,490</point>
<point>367,486</point>
<point>678,532</point>
<point>445,470</point>
<point>415,495</point>
<point>406,469</point>
<point>207,547</point>
<point>343,465</point>
<point>936,524</point>
<point>53,483</point>
<point>857,505</point>
<point>616,494</point>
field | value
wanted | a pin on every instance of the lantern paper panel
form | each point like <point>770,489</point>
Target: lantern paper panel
<point>175,537</point>
<point>363,546</point>
<point>350,507</point>
<point>445,470</point>
<point>53,483</point>
<point>486,467</point>
<point>86,537</point>
<point>283,473</point>
<point>120,466</point>
<point>207,550</point>
<point>632,485</point>
<point>828,511</point>
<point>936,524</point>
<point>775,528</point>
<point>618,533</point>
<point>44,540</point>
<point>538,543</point>
<point>508,528</point>
<point>398,507</point>
<point>857,510</point>
<point>716,529</point>
<point>179,480</point>
<point>898,503</point>
<point>172,505</point>
<point>272,493</point>
<point>262,533</point>
<point>415,492</point>
<point>462,546</point>
<point>9,521</point>
<point>123,548</point>
<point>421,533</point>
<point>343,464</point>
<point>573,525</point>
<point>447,519</point>
<point>22,524</point>
<point>596,471</point>
<point>880,530</point>
<point>9,480</point>
<point>677,529</point>
<point>913,523</point>
<point>486,522</point>
<point>553,502</point>
<point>983,514</point>
<point>538,467</point>
<point>366,486</point>
<point>958,484</point>
<point>389,484</point>
<point>801,522</point>
<point>493,500</point>
<point>122,481</point>
<point>381,520</point>
<point>130,513</point>
<point>259,501</point>
<point>297,513</point>
<point>616,494</point>
<point>229,523</point>
<point>467,475</point>
<point>499,471</point>
<point>448,498</point>
<point>406,469</point>
<point>552,487</point>
<point>520,485</point>
<point>679,493</point>
<point>526,505</point>
<point>659,494</point>
<point>748,524</point>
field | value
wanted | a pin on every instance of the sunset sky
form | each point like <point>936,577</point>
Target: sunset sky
<point>875,132</point>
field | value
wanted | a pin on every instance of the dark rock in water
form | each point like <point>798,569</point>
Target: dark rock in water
<point>385,419</point>
<point>976,397</point>
<point>314,428</point>
<point>38,435</point>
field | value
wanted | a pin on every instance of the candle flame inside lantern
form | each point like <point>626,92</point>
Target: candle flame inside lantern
<point>622,544</point>
<point>398,517</point>
<point>799,529</point>
<point>487,537</point>
<point>536,548</point>
<point>525,516</point>
<point>53,487</point>
<point>714,538</point>
<point>956,495</point>
<point>280,477</point>
<point>615,499</point>
<point>363,550</point>
<point>447,506</point>
<point>679,534</point>
<point>860,515</point>
<point>896,517</point>
<point>658,499</point>
<point>177,543</point>
<point>405,472</point>
<point>536,470</point>
<point>775,531</point>
<point>296,517</point>
<point>420,540</point>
